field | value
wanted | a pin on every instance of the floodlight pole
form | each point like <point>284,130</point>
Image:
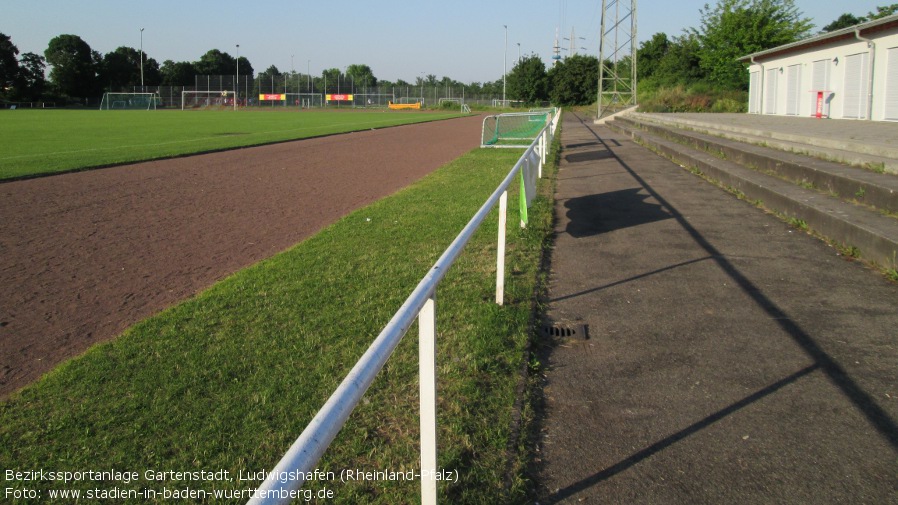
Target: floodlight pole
<point>309,74</point>
<point>519,53</point>
<point>141,61</point>
<point>237,84</point>
<point>504,65</point>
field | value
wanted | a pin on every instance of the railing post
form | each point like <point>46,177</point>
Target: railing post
<point>427,370</point>
<point>500,253</point>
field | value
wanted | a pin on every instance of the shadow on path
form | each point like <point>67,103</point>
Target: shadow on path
<point>594,214</point>
<point>660,445</point>
<point>875,415</point>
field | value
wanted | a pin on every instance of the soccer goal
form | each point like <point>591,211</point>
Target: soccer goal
<point>507,103</point>
<point>305,100</point>
<point>512,130</point>
<point>208,100</point>
<point>372,99</point>
<point>129,101</point>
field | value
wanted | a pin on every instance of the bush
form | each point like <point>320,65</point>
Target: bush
<point>729,105</point>
<point>700,97</point>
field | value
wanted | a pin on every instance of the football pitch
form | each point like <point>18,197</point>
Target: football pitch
<point>40,142</point>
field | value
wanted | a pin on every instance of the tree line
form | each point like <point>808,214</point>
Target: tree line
<point>77,72</point>
<point>704,57</point>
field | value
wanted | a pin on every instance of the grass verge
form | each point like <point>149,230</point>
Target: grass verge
<point>228,379</point>
<point>40,142</point>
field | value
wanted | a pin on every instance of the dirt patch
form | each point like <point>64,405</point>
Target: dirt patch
<point>85,255</point>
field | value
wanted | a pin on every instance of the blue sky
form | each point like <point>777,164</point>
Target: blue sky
<point>464,39</point>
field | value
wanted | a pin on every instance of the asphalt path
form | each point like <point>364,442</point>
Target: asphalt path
<point>730,357</point>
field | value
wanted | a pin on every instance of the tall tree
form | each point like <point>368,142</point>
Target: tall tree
<point>844,21</point>
<point>181,73</point>
<point>650,53</point>
<point>215,62</point>
<point>246,67</point>
<point>527,80</point>
<point>271,80</point>
<point>9,65</point>
<point>333,78</point>
<point>31,83</point>
<point>121,69</point>
<point>734,28</point>
<point>75,66</point>
<point>882,11</point>
<point>361,75</point>
<point>680,65</point>
<point>152,74</point>
<point>574,81</point>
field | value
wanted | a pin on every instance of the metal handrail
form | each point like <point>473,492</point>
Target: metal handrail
<point>303,455</point>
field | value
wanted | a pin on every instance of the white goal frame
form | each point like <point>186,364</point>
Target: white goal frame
<point>151,102</point>
<point>212,95</point>
<point>306,100</point>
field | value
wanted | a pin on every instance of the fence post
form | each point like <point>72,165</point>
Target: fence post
<point>427,370</point>
<point>500,253</point>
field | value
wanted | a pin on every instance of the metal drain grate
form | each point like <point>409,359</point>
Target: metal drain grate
<point>565,329</point>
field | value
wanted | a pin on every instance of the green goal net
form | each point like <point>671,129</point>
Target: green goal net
<point>513,130</point>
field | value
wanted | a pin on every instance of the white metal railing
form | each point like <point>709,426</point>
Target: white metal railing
<point>303,455</point>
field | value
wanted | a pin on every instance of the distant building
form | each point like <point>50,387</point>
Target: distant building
<point>852,73</point>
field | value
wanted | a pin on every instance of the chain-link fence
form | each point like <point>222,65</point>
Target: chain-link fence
<point>304,91</point>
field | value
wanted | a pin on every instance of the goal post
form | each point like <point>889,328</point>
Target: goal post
<point>208,100</point>
<point>129,101</point>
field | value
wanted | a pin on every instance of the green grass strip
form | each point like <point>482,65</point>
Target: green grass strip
<point>38,142</point>
<point>228,379</point>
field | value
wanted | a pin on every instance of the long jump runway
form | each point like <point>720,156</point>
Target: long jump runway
<point>85,255</point>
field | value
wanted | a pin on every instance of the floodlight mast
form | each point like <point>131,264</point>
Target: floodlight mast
<point>141,60</point>
<point>237,84</point>
<point>504,65</point>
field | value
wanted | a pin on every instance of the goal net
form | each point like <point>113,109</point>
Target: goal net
<point>208,100</point>
<point>512,130</point>
<point>129,101</point>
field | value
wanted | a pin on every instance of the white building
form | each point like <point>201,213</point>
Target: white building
<point>852,72</point>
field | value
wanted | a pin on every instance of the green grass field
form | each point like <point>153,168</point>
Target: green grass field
<point>228,379</point>
<point>39,142</point>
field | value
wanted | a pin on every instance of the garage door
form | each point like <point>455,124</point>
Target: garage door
<point>856,81</point>
<point>892,85</point>
<point>793,89</point>
<point>770,91</point>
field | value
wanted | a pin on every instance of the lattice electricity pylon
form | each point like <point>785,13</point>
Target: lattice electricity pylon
<point>617,57</point>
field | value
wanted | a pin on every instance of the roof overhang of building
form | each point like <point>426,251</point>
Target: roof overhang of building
<point>865,29</point>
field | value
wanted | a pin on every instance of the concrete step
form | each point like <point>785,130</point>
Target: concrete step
<point>835,179</point>
<point>874,235</point>
<point>842,150</point>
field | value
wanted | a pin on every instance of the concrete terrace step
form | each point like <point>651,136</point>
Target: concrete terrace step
<point>873,234</point>
<point>850,183</point>
<point>828,141</point>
